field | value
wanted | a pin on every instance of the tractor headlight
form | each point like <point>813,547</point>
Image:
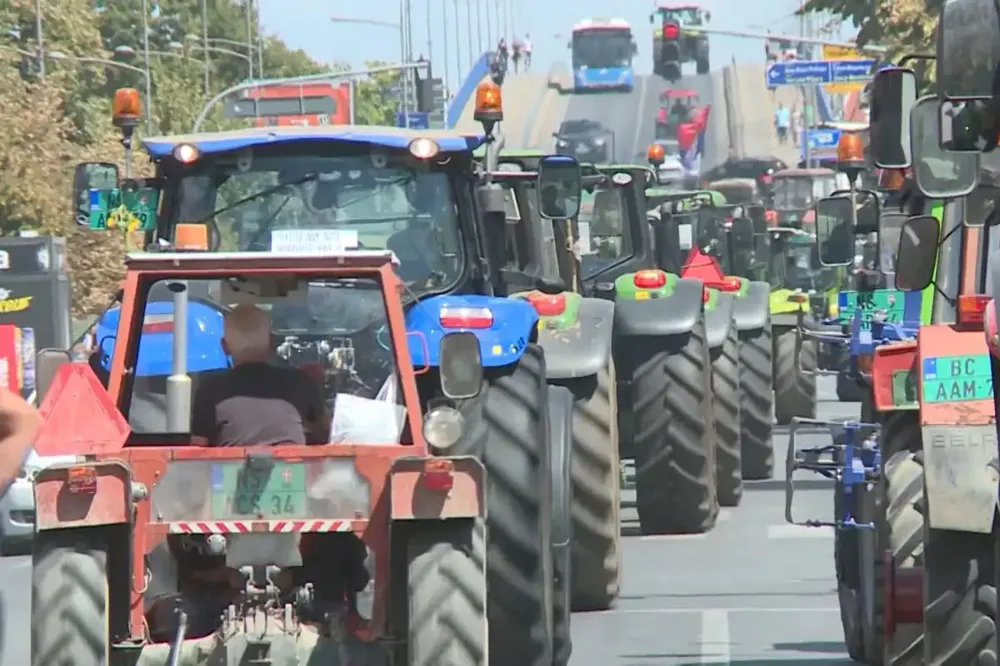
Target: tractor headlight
<point>443,426</point>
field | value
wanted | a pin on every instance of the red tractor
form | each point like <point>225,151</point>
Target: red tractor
<point>677,107</point>
<point>153,548</point>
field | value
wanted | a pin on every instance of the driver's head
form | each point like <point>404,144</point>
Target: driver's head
<point>247,334</point>
<point>550,194</point>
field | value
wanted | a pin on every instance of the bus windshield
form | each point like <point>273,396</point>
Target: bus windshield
<point>315,203</point>
<point>602,48</point>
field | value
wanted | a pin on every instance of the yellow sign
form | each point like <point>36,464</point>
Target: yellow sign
<point>842,53</point>
<point>15,304</point>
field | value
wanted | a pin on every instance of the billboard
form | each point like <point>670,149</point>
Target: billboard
<point>307,104</point>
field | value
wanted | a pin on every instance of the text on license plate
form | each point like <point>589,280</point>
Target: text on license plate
<point>957,378</point>
<point>262,489</point>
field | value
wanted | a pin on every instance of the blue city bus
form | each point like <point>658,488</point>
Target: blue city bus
<point>602,53</point>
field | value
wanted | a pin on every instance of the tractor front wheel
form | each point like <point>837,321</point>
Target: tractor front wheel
<point>794,377</point>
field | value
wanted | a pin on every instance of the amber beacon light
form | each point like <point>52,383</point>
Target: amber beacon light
<point>489,103</point>
<point>850,152</point>
<point>655,154</point>
<point>126,108</point>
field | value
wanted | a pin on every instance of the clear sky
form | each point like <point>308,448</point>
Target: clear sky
<point>308,24</point>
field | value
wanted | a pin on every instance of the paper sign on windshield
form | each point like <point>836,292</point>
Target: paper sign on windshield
<point>123,210</point>
<point>313,241</point>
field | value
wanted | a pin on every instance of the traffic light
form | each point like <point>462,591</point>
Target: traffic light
<point>424,91</point>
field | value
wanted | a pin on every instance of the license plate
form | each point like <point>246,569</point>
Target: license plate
<point>957,378</point>
<point>260,489</point>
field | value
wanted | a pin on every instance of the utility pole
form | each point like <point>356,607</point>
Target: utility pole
<point>458,46</point>
<point>479,24</point>
<point>444,33</point>
<point>204,45</point>
<point>249,8</point>
<point>489,27</point>
<point>39,46</point>
<point>145,66</point>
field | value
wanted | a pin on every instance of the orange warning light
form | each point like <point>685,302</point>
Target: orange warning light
<point>126,106</point>
<point>489,103</point>
<point>850,151</point>
<point>655,154</point>
<point>891,179</point>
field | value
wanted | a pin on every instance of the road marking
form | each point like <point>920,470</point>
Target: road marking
<point>798,532</point>
<point>673,537</point>
<point>680,611</point>
<point>643,89</point>
<point>715,637</point>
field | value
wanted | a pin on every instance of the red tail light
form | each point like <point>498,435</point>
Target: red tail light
<point>670,31</point>
<point>649,279</point>
<point>972,309</point>
<point>158,323</point>
<point>465,318</point>
<point>82,480</point>
<point>706,294</point>
<point>725,284</point>
<point>547,305</point>
<point>766,178</point>
<point>438,475</point>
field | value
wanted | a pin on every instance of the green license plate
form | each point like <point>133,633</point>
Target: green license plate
<point>888,301</point>
<point>263,489</point>
<point>904,389</point>
<point>957,378</point>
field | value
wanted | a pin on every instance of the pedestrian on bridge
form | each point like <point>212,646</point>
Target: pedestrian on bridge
<point>782,120</point>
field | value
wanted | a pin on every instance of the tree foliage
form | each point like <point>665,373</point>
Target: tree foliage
<point>51,123</point>
<point>903,26</point>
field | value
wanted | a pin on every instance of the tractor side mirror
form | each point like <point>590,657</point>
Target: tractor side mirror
<point>940,173</point>
<point>894,93</point>
<point>915,258</point>
<point>559,187</point>
<point>834,231</point>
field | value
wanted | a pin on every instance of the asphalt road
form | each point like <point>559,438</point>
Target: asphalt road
<point>753,592</point>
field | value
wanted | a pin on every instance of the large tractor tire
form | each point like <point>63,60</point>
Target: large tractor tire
<point>674,434</point>
<point>846,565</point>
<point>596,499</point>
<point>756,404</point>
<point>561,408</point>
<point>960,598</point>
<point>703,65</point>
<point>794,390</point>
<point>446,590</point>
<point>69,602</point>
<point>726,418</point>
<point>507,425</point>
<point>904,495</point>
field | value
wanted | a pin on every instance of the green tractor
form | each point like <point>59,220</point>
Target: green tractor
<point>699,236</point>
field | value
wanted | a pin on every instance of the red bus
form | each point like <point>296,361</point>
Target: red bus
<point>293,104</point>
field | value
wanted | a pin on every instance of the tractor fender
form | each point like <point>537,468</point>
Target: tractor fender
<point>784,321</point>
<point>719,320</point>
<point>501,343</point>
<point>750,312</point>
<point>674,315</point>
<point>584,349</point>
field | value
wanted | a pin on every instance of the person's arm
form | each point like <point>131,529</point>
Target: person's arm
<point>19,422</point>
<point>312,406</point>
<point>203,416</point>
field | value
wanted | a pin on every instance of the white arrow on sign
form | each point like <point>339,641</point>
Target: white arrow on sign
<point>772,73</point>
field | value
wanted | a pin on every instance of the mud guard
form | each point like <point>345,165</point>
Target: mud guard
<point>751,312</point>
<point>958,424</point>
<point>719,320</point>
<point>673,315</point>
<point>584,349</point>
<point>784,321</point>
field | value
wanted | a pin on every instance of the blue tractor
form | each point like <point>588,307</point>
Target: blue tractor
<point>422,196</point>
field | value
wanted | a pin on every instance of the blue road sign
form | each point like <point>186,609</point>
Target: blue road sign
<point>822,138</point>
<point>418,120</point>
<point>802,72</point>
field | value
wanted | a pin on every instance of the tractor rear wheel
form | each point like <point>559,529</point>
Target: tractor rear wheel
<point>508,430</point>
<point>69,601</point>
<point>726,387</point>
<point>794,390</point>
<point>756,403</point>
<point>561,438</point>
<point>674,433</point>
<point>596,478</point>
<point>446,590</point>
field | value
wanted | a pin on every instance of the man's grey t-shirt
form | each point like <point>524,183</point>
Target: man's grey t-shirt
<point>257,404</point>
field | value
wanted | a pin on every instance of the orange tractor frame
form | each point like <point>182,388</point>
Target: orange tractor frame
<point>115,484</point>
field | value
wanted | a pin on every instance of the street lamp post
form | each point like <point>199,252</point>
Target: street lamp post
<point>204,41</point>
<point>39,47</point>
<point>249,8</point>
<point>145,58</point>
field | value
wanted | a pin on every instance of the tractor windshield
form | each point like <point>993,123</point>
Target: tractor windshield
<point>335,330</point>
<point>683,16</point>
<point>303,202</point>
<point>794,264</point>
<point>800,192</point>
<point>603,229</point>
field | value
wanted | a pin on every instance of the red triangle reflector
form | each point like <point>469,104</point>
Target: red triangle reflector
<point>78,416</point>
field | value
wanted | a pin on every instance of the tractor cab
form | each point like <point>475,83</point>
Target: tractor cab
<point>796,191</point>
<point>677,106</point>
